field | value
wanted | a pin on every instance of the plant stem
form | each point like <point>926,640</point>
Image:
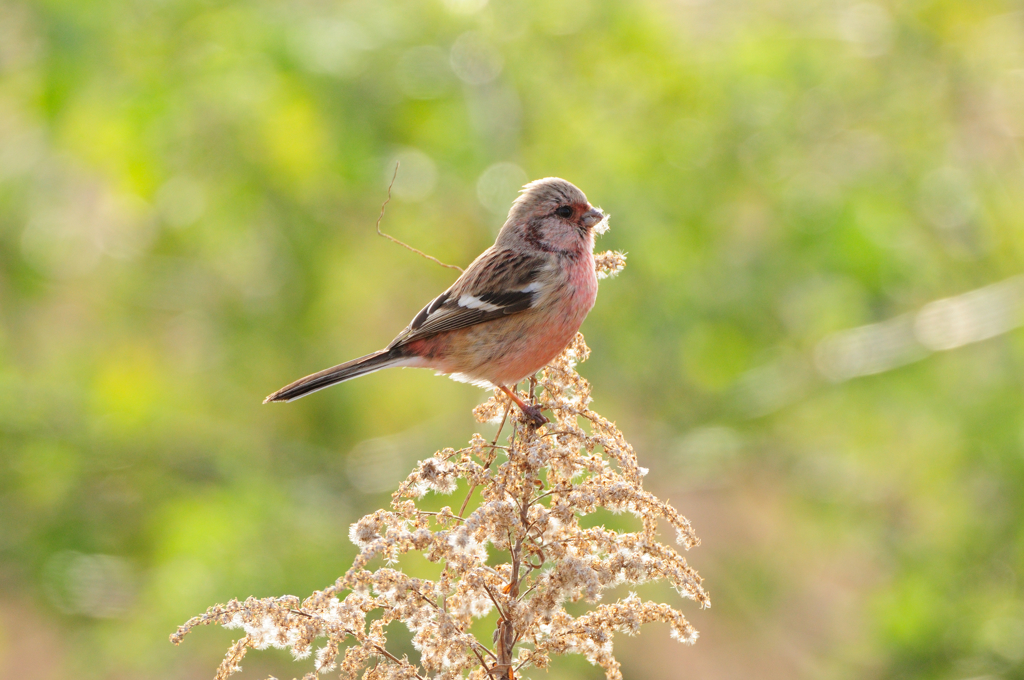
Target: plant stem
<point>490,460</point>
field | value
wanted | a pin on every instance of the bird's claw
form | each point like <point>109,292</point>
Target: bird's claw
<point>534,416</point>
<point>530,411</point>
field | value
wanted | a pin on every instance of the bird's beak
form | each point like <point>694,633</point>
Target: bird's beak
<point>592,217</point>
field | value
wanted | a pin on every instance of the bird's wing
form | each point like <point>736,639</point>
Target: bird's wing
<point>498,283</point>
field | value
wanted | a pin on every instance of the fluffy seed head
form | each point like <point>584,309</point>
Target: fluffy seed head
<point>524,503</point>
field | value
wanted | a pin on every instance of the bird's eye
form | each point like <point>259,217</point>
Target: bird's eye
<point>564,211</point>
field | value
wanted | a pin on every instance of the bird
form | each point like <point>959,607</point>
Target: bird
<point>512,311</point>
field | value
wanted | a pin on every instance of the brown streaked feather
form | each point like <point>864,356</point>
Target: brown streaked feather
<point>496,278</point>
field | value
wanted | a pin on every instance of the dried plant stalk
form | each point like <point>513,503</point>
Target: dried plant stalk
<point>533,493</point>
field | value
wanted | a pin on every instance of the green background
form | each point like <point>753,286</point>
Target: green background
<point>187,198</point>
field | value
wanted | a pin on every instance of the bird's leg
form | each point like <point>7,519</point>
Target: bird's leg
<point>532,413</point>
<point>533,388</point>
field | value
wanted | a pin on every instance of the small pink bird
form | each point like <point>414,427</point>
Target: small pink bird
<point>511,312</point>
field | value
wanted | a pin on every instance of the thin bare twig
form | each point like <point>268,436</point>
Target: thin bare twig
<point>482,663</point>
<point>499,607</point>
<point>437,514</point>
<point>557,432</point>
<point>401,243</point>
<point>552,491</point>
<point>394,658</point>
<point>514,500</point>
<point>504,418</point>
<point>528,591</point>
<point>426,599</point>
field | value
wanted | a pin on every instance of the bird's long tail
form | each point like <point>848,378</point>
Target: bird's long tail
<point>336,374</point>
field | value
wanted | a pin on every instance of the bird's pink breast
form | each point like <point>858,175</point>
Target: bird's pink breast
<point>506,350</point>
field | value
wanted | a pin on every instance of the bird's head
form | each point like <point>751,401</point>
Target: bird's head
<point>551,214</point>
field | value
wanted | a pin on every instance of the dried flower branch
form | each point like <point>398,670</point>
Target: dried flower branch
<point>402,243</point>
<point>533,493</point>
<point>609,263</point>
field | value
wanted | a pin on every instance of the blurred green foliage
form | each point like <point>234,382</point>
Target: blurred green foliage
<point>187,197</point>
